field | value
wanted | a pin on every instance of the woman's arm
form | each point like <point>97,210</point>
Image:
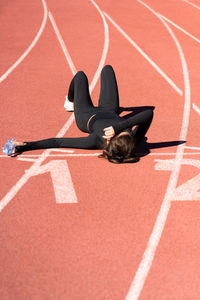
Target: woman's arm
<point>88,142</point>
<point>141,118</point>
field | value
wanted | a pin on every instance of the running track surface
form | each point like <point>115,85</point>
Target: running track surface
<point>77,227</point>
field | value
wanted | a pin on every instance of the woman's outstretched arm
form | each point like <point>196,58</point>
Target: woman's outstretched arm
<point>88,142</point>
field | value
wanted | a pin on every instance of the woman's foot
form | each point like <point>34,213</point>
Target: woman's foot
<point>68,105</point>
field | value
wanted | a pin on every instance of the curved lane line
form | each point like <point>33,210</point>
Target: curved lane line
<point>156,67</point>
<point>148,256</point>
<point>5,75</point>
<point>28,173</point>
<point>72,67</point>
<point>181,29</point>
<point>62,44</point>
<point>105,48</point>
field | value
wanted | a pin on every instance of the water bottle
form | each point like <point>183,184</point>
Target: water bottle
<point>9,147</point>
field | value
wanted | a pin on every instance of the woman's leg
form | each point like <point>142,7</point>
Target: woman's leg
<point>79,94</point>
<point>109,98</point>
<point>79,91</point>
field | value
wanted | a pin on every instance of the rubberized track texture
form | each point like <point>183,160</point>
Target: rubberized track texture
<point>76,227</point>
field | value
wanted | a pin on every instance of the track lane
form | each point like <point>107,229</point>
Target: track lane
<point>100,242</point>
<point>19,13</point>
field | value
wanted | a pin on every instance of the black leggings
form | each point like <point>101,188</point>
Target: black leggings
<point>83,106</point>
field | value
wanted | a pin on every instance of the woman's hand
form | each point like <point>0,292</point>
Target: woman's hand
<point>108,133</point>
<point>15,153</point>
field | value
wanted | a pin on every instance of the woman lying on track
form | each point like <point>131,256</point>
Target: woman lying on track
<point>107,130</point>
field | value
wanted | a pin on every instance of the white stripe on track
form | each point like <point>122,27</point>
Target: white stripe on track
<point>149,254</point>
<point>5,75</point>
<point>156,67</point>
<point>194,5</point>
<point>192,148</point>
<point>27,159</point>
<point>62,44</point>
<point>96,154</point>
<point>181,29</point>
<point>28,173</point>
<point>62,155</point>
<point>21,182</point>
<point>196,108</point>
<point>105,48</point>
<point>62,150</point>
<point>104,52</point>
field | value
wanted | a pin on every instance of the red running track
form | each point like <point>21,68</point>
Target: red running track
<point>133,232</point>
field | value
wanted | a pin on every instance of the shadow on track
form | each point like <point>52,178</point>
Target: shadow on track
<point>144,147</point>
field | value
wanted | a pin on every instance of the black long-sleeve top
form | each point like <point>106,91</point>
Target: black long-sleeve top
<point>95,139</point>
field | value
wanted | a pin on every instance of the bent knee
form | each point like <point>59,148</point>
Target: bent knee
<point>80,74</point>
<point>107,68</point>
<point>81,77</point>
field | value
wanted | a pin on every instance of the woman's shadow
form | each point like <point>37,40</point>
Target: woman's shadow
<point>144,147</point>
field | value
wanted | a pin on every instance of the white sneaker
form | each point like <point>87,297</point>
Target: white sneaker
<point>68,105</point>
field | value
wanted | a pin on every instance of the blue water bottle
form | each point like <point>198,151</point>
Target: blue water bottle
<point>9,147</point>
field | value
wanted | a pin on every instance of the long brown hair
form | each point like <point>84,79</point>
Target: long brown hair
<point>120,150</point>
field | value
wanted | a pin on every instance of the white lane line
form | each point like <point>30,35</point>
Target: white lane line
<point>27,159</point>
<point>156,67</point>
<point>5,75</point>
<point>192,148</point>
<point>23,157</point>
<point>149,254</point>
<point>105,48</point>
<point>50,155</point>
<point>181,29</point>
<point>185,153</point>
<point>62,150</point>
<point>196,108</point>
<point>194,5</point>
<point>104,52</point>
<point>21,182</point>
<point>62,44</point>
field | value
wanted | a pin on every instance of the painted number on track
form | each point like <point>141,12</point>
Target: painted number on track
<point>61,179</point>
<point>188,190</point>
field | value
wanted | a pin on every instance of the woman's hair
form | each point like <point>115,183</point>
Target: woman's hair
<point>120,150</point>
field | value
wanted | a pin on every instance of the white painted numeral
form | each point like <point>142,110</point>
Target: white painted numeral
<point>61,179</point>
<point>188,190</point>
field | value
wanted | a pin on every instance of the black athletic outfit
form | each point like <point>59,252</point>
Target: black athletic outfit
<point>92,119</point>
